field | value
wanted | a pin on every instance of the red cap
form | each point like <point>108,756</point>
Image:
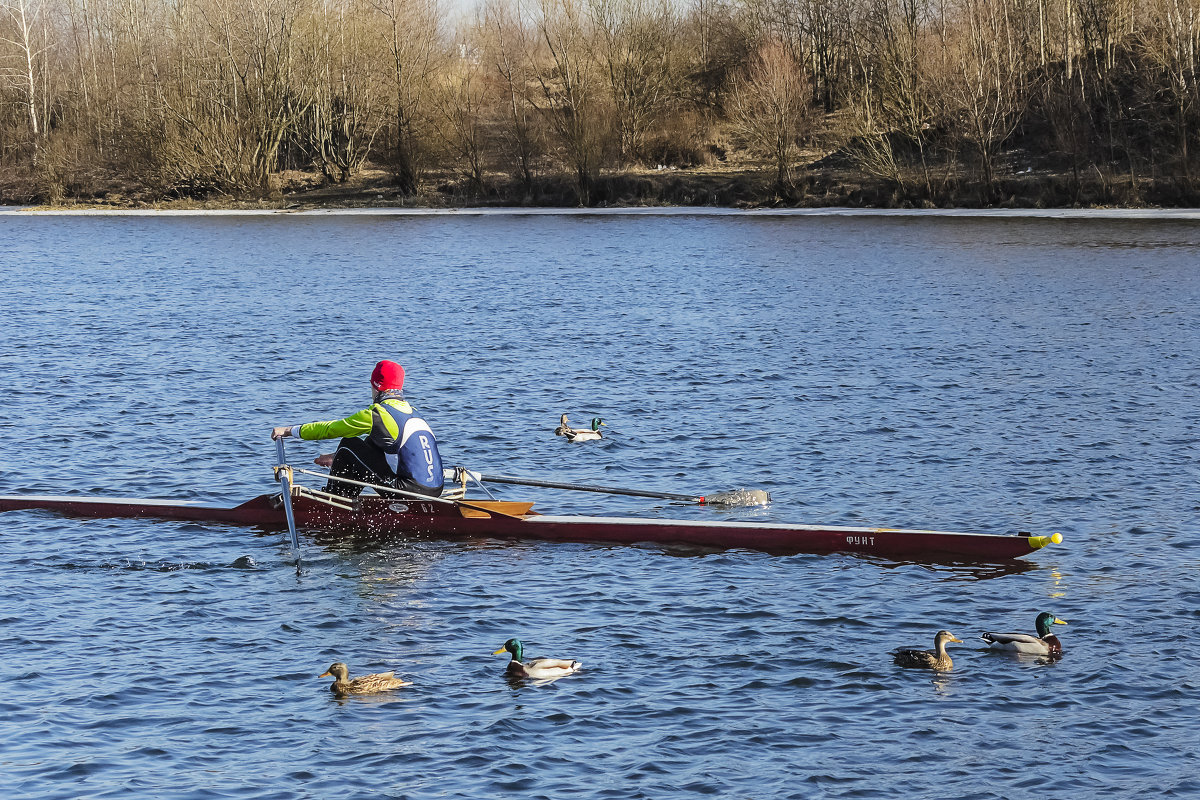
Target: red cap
<point>387,375</point>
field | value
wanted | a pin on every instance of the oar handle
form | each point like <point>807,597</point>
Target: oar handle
<point>577,487</point>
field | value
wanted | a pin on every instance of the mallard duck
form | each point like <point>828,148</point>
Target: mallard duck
<point>536,668</point>
<point>937,658</point>
<point>586,436</point>
<point>563,428</point>
<point>366,684</point>
<point>576,435</point>
<point>1044,644</point>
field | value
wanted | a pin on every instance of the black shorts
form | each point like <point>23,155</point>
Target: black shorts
<point>359,460</point>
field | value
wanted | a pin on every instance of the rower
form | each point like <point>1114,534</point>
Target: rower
<point>399,449</point>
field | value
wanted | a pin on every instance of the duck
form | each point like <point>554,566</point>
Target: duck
<point>1044,644</point>
<point>536,668</point>
<point>576,435</point>
<point>563,428</point>
<point>365,684</point>
<point>937,658</point>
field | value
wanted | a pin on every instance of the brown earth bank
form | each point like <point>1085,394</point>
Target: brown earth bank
<point>818,185</point>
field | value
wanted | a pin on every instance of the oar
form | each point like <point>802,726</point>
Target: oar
<point>736,497</point>
<point>284,475</point>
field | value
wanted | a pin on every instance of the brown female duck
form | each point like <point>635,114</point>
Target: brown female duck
<point>937,658</point>
<point>366,684</point>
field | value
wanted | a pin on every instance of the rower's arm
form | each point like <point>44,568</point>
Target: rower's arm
<point>356,424</point>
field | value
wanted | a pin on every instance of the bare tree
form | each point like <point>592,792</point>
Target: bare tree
<point>990,91</point>
<point>717,42</point>
<point>1171,43</point>
<point>412,39</point>
<point>508,47</point>
<point>771,108</point>
<point>224,115</point>
<point>635,40</point>
<point>818,35</point>
<point>261,53</point>
<point>341,124</point>
<point>24,20</point>
<point>570,90</point>
<point>82,23</point>
<point>197,96</point>
<point>900,107</point>
<point>463,101</point>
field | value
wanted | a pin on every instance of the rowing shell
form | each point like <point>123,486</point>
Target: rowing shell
<point>516,520</point>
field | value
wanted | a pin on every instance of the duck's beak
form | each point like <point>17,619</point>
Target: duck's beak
<point>956,639</point>
<point>1058,621</point>
<point>326,672</point>
<point>498,652</point>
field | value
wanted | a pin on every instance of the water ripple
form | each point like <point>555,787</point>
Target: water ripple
<point>994,375</point>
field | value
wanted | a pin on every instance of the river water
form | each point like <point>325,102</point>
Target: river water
<point>992,374</point>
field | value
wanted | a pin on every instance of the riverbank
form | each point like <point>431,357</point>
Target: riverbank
<point>1155,214</point>
<point>816,185</point>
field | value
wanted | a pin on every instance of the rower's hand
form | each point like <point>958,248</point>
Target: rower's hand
<point>324,460</point>
<point>279,433</point>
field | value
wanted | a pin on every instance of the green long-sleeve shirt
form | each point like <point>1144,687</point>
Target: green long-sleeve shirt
<point>357,424</point>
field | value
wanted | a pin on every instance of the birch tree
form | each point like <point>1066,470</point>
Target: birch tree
<point>22,37</point>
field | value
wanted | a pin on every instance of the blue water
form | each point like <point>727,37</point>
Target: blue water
<point>961,374</point>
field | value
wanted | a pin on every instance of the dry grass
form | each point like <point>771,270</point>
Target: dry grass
<point>738,183</point>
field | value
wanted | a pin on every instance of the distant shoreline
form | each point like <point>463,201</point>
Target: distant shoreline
<point>1157,214</point>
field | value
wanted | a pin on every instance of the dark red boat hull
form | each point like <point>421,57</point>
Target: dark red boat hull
<point>383,517</point>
